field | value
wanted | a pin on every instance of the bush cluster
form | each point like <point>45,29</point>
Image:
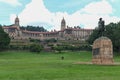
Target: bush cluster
<point>32,48</point>
<point>72,47</point>
<point>16,47</point>
<point>35,48</point>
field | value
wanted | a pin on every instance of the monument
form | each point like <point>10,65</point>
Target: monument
<point>102,52</point>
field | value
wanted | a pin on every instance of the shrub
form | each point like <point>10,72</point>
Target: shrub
<point>85,47</point>
<point>36,48</point>
<point>18,47</point>
<point>58,48</point>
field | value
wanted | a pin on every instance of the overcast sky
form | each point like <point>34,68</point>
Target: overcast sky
<point>48,13</point>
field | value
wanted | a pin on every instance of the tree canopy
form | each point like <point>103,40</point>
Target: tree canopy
<point>34,28</point>
<point>4,39</point>
<point>112,31</point>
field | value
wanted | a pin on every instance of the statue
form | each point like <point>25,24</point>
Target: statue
<point>101,26</point>
<point>102,49</point>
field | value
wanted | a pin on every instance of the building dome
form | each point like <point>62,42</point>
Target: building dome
<point>63,24</point>
<point>17,19</point>
<point>63,20</point>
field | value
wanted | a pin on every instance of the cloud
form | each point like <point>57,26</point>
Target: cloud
<point>114,0</point>
<point>102,7</point>
<point>90,14</point>
<point>12,2</point>
<point>36,12</point>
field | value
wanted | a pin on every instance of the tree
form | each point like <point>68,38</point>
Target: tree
<point>94,36</point>
<point>99,31</point>
<point>112,32</point>
<point>4,39</point>
<point>34,28</point>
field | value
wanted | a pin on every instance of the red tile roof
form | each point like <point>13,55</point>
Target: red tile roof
<point>36,32</point>
<point>10,27</point>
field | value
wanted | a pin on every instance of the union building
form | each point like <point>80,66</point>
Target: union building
<point>66,33</point>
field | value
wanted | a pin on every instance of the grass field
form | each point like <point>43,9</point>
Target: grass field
<point>49,66</point>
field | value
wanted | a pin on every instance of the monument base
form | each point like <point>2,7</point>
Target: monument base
<point>102,51</point>
<point>103,61</point>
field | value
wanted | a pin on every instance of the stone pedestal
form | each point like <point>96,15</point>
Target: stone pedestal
<point>102,51</point>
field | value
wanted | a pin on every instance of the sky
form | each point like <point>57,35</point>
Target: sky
<point>49,13</point>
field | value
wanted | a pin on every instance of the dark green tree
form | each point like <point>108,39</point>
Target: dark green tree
<point>34,28</point>
<point>4,39</point>
<point>112,31</point>
<point>99,31</point>
<point>94,36</point>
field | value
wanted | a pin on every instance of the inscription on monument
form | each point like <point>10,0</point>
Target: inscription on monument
<point>96,51</point>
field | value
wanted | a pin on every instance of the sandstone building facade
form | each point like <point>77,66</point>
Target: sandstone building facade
<point>66,33</point>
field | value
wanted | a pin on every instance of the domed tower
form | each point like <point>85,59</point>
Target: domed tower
<point>19,33</point>
<point>17,21</point>
<point>63,24</point>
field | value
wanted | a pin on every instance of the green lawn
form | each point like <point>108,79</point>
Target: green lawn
<point>49,66</point>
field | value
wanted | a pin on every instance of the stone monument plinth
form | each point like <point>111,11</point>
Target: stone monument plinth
<point>102,51</point>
